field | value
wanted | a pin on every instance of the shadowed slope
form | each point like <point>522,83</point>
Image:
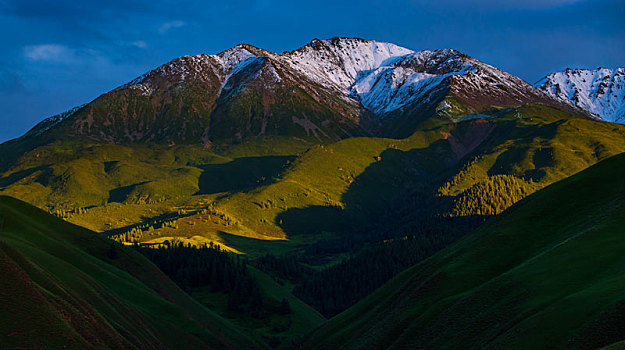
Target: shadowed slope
<point>548,273</point>
<point>64,286</point>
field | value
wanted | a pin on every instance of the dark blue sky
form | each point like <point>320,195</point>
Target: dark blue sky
<point>61,53</point>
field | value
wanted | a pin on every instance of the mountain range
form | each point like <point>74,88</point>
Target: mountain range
<point>326,90</point>
<point>330,169</point>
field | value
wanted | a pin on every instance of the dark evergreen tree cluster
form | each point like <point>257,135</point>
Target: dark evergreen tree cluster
<point>283,268</point>
<point>209,266</point>
<point>380,257</point>
<point>340,286</point>
<point>406,233</point>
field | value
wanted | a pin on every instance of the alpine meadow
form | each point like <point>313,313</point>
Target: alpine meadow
<point>346,194</point>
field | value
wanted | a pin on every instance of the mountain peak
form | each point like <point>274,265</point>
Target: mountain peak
<point>600,91</point>
<point>244,48</point>
<point>337,61</point>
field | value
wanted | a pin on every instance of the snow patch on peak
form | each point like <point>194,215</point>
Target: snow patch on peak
<point>232,58</point>
<point>599,91</point>
<point>381,76</point>
<point>195,67</point>
<point>336,62</point>
<point>387,89</point>
<point>405,79</point>
<point>176,71</point>
<point>438,61</point>
<point>138,80</point>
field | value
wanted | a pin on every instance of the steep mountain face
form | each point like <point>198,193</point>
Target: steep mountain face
<point>599,91</point>
<point>240,93</point>
<point>384,77</point>
<point>326,90</point>
<point>402,88</point>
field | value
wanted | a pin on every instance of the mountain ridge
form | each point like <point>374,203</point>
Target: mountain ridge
<point>325,90</point>
<point>599,91</point>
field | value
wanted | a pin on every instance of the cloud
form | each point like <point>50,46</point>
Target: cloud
<point>165,27</point>
<point>140,44</point>
<point>48,52</point>
<point>57,53</point>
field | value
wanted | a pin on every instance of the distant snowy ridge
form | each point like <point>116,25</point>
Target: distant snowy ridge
<point>599,91</point>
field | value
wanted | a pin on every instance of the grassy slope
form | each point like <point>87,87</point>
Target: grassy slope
<point>616,346</point>
<point>548,273</point>
<point>347,177</point>
<point>276,188</point>
<point>317,178</point>
<point>60,289</point>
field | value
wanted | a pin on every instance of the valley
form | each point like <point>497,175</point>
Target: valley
<point>347,194</point>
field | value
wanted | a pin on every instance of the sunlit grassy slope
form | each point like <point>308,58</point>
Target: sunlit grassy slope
<point>290,192</point>
<point>548,273</point>
<point>64,287</point>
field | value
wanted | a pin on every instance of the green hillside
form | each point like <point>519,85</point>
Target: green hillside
<point>67,287</point>
<point>548,273</point>
<point>291,191</point>
<point>313,203</point>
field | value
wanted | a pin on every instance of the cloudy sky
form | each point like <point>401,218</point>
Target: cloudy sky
<point>60,53</point>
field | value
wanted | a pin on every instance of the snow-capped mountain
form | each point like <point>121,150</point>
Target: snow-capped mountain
<point>599,91</point>
<point>381,76</point>
<point>327,89</point>
<point>384,77</point>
